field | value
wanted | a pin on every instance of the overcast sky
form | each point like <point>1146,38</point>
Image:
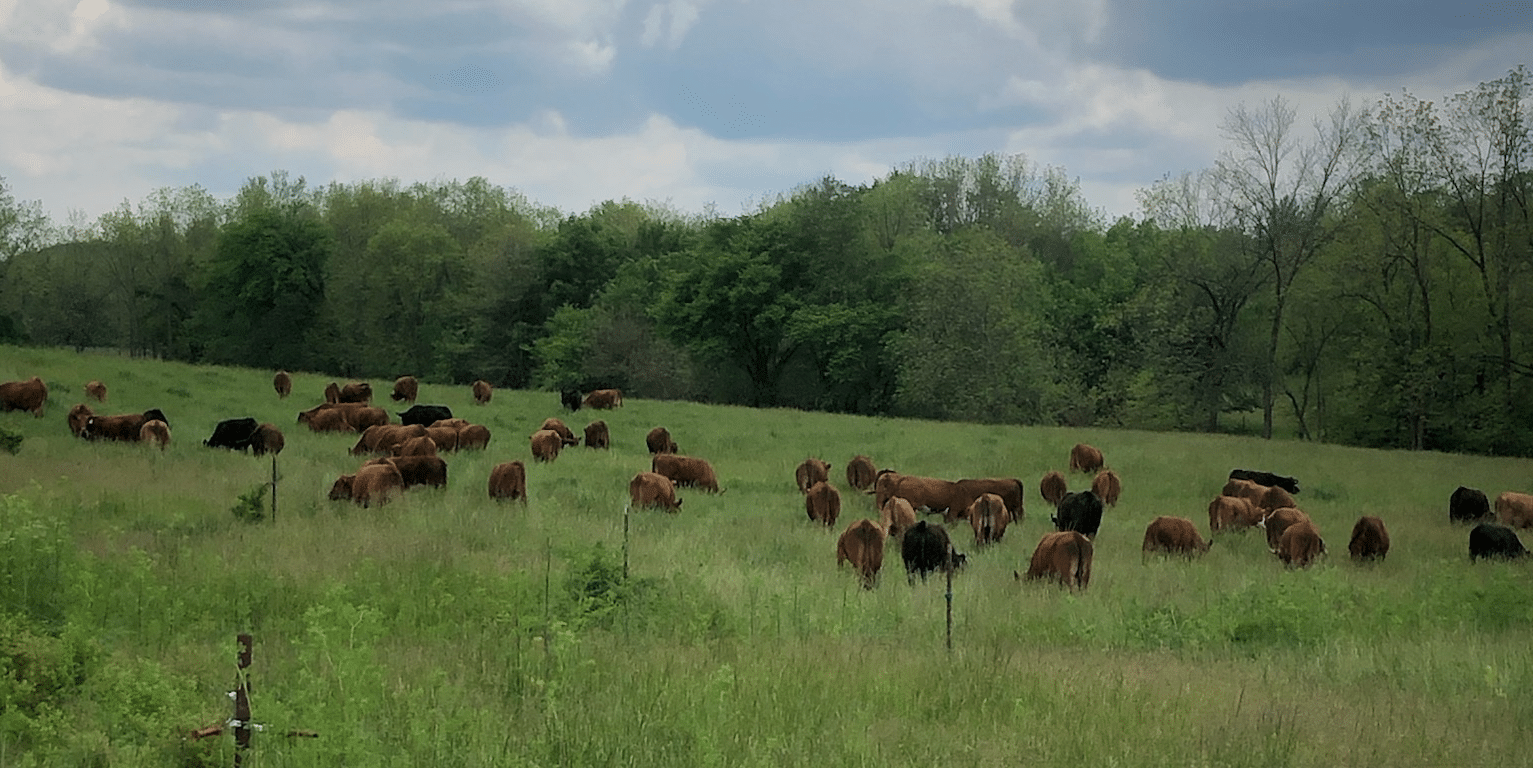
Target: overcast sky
<point>690,102</point>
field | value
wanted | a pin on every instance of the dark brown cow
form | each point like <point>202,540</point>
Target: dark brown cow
<point>356,392</point>
<point>473,437</point>
<point>861,474</point>
<point>30,395</point>
<point>283,383</point>
<point>659,441</point>
<point>372,484</point>
<point>1064,556</point>
<point>823,503</point>
<point>809,472</point>
<point>267,439</point>
<point>648,489</point>
<point>1084,458</point>
<point>417,470</point>
<point>415,446</point>
<point>446,438</point>
<point>686,471</point>
<point>546,444</point>
<point>897,516</point>
<point>1173,535</point>
<point>1107,487</point>
<point>383,437</point>
<point>862,545</point>
<point>1370,540</point>
<point>482,392</point>
<point>1053,487</point>
<point>122,427</point>
<point>1514,510</point>
<point>1277,521</point>
<point>1300,544</point>
<point>155,431</point>
<point>508,481</point>
<point>333,393</point>
<point>597,435</point>
<point>989,517</point>
<point>406,389</point>
<point>565,433</point>
<point>96,389</point>
<point>1232,513</point>
<point>78,415</point>
<point>604,398</point>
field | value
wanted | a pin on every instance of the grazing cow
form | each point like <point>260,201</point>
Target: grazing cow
<point>30,395</point>
<point>686,471</point>
<point>570,399</point>
<point>1232,513</point>
<point>96,389</point>
<point>1053,487</point>
<point>450,423</point>
<point>933,494</point>
<point>1173,535</point>
<point>602,399</point>
<point>333,393</point>
<point>897,516</point>
<point>268,439</point>
<point>546,444</point>
<point>425,415</point>
<point>1514,510</point>
<point>860,473</point>
<point>927,549</point>
<point>967,490</point>
<point>382,438</point>
<point>822,502</point>
<point>1245,489</point>
<point>155,431</point>
<point>989,517</point>
<point>1370,540</point>
<point>1064,556</point>
<point>659,441</point>
<point>123,427</point>
<point>406,388</point>
<point>565,433</point>
<point>326,420</point>
<point>234,434</point>
<point>1275,498</point>
<point>473,437</point>
<point>1084,458</point>
<point>1468,505</point>
<point>372,484</point>
<point>283,383</point>
<point>648,489</point>
<point>1266,478</point>
<point>482,391</point>
<point>1080,511</point>
<point>415,446</point>
<point>862,544</point>
<point>597,435</point>
<point>416,470</point>
<point>1277,521</point>
<point>363,417</point>
<point>809,472</point>
<point>446,438</point>
<point>1491,540</point>
<point>356,392</point>
<point>1107,487</point>
<point>508,481</point>
<point>1300,544</point>
<point>78,415</point>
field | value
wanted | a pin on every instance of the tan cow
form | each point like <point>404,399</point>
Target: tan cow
<point>602,399</point>
<point>96,389</point>
<point>1300,544</point>
<point>30,395</point>
<point>546,444</point>
<point>862,545</point>
<point>1064,556</point>
<point>1370,540</point>
<point>1085,458</point>
<point>155,431</point>
<point>659,441</point>
<point>1107,487</point>
<point>1232,513</point>
<point>283,383</point>
<point>406,389</point>
<point>897,516</point>
<point>508,481</point>
<point>809,472</point>
<point>686,471</point>
<point>823,503</point>
<point>1514,510</point>
<point>861,474</point>
<point>597,435</point>
<point>1276,522</point>
<point>78,415</point>
<point>1053,487</point>
<point>1173,535</point>
<point>988,516</point>
<point>648,489</point>
<point>482,392</point>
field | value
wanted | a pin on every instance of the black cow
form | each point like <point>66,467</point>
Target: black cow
<point>425,415</point>
<point>1266,478</point>
<point>1467,505</point>
<point>1491,540</point>
<point>1080,511</point>
<point>570,398</point>
<point>154,414</point>
<point>234,434</point>
<point>925,549</point>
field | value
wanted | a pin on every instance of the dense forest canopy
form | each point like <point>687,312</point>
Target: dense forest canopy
<point>1365,278</point>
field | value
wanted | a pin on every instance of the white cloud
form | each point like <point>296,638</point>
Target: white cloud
<point>669,23</point>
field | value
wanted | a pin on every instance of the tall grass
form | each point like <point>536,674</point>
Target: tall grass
<point>447,629</point>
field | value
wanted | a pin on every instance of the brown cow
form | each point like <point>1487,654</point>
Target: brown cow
<point>267,439</point>
<point>473,437</point>
<point>1084,458</point>
<point>648,489</point>
<point>78,415</point>
<point>122,427</point>
<point>406,389</point>
<point>989,517</point>
<point>356,392</point>
<point>415,446</point>
<point>283,383</point>
<point>823,503</point>
<point>372,484</point>
<point>1274,497</point>
<point>446,438</point>
<point>1064,556</point>
<point>382,438</point>
<point>1277,521</point>
<point>1514,510</point>
<point>30,395</point>
<point>1370,540</point>
<point>897,516</point>
<point>1300,544</point>
<point>333,393</point>
<point>508,480</point>
<point>1232,513</point>
<point>862,544</point>
<point>597,435</point>
<point>1107,487</point>
<point>1246,489</point>
<point>604,398</point>
<point>546,444</point>
<point>565,433</point>
<point>809,472</point>
<point>482,391</point>
<point>155,431</point>
<point>416,470</point>
<point>1173,535</point>
<point>1053,487</point>
<point>659,441</point>
<point>96,389</point>
<point>861,474</point>
<point>930,493</point>
<point>965,491</point>
<point>453,423</point>
<point>686,471</point>
<point>326,420</point>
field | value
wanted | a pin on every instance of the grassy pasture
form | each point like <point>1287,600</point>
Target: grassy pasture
<point>446,629</point>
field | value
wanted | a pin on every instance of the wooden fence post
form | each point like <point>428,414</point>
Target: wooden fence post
<point>242,702</point>
<point>274,488</point>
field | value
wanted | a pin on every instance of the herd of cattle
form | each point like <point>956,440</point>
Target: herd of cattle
<point>407,454</point>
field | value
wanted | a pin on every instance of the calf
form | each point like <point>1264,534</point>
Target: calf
<point>508,481</point>
<point>648,489</point>
<point>1370,540</point>
<point>1173,535</point>
<point>862,545</point>
<point>926,549</point>
<point>1468,505</point>
<point>1491,540</point>
<point>1064,556</point>
<point>822,503</point>
<point>1080,511</point>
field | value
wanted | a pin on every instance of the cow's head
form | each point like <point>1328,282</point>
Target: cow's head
<point>342,489</point>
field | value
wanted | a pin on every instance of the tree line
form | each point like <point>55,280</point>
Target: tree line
<point>1365,278</point>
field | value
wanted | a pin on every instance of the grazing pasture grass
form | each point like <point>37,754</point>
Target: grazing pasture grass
<point>447,629</point>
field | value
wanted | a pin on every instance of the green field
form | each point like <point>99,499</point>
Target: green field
<point>444,629</point>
